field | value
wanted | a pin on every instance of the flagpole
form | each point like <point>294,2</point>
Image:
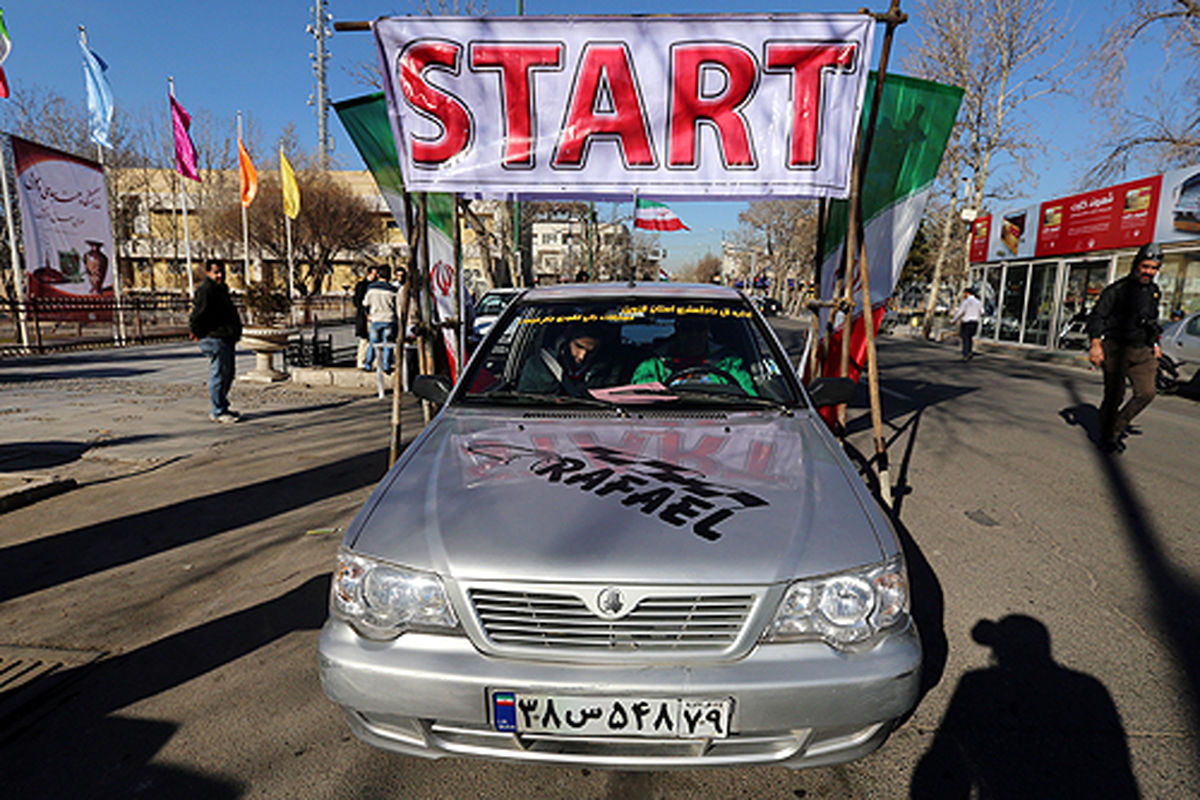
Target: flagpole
<point>287,226</point>
<point>632,230</point>
<point>187,242</point>
<point>245,226</point>
<point>18,284</point>
<point>119,330</point>
<point>458,289</point>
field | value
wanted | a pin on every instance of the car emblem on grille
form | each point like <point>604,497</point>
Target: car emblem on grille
<point>610,603</point>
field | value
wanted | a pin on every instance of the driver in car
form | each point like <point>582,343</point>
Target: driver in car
<point>575,365</point>
<point>690,356</point>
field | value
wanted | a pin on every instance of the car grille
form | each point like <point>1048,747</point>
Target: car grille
<point>656,623</point>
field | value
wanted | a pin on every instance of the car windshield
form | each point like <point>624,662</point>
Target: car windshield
<point>493,303</point>
<point>629,351</point>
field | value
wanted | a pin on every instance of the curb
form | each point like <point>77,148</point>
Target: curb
<point>29,489</point>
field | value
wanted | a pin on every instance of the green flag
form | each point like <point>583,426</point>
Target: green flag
<point>366,121</point>
<point>914,123</point>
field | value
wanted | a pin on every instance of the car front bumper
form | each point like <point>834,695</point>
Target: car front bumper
<point>797,705</point>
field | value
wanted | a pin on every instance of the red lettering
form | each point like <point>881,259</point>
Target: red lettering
<point>516,65</point>
<point>444,109</point>
<point>700,455</point>
<point>605,102</point>
<point>690,107</point>
<point>806,62</point>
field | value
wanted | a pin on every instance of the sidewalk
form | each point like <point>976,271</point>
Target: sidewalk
<point>76,418</point>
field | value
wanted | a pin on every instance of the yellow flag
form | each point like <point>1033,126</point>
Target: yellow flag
<point>291,191</point>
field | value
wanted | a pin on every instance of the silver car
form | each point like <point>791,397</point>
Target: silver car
<point>627,541</point>
<point>1180,352</point>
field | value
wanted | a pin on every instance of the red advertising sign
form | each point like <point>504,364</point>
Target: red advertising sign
<point>1112,217</point>
<point>980,231</point>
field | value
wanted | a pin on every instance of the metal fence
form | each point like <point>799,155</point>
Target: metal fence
<point>58,324</point>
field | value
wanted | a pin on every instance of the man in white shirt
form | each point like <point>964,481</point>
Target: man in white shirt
<point>969,312</point>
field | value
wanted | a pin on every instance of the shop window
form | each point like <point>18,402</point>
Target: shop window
<point>990,295</point>
<point>1040,307</point>
<point>1179,280</point>
<point>1081,289</point>
<point>1012,302</point>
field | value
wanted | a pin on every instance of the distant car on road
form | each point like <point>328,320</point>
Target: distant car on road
<point>627,541</point>
<point>1180,352</point>
<point>489,308</point>
<point>769,306</point>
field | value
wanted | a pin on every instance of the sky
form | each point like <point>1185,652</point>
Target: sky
<point>231,55</point>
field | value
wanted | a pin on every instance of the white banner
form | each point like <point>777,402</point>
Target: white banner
<point>64,222</point>
<point>687,107</point>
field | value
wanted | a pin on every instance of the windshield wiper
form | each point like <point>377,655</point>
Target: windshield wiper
<point>727,398</point>
<point>544,399</point>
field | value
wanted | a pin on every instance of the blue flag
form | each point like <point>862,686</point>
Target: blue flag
<point>99,94</point>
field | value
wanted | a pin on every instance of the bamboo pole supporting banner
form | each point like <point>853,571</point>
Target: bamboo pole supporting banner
<point>14,255</point>
<point>397,371</point>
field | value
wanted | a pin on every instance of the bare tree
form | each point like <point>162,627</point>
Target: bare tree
<point>1160,130</point>
<point>786,233</point>
<point>1005,55</point>
<point>705,270</point>
<point>333,220</point>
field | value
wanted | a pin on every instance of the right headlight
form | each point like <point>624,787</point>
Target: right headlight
<point>382,601</point>
<point>843,610</point>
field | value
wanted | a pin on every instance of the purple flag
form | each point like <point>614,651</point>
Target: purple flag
<point>185,151</point>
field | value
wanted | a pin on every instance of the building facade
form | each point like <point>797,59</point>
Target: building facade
<point>1039,269</point>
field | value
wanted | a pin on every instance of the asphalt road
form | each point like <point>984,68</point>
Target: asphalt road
<point>182,585</point>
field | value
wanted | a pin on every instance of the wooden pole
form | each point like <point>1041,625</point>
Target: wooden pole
<point>14,256</point>
<point>397,371</point>
<point>427,360</point>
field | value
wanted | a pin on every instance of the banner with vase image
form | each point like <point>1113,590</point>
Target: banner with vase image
<point>64,224</point>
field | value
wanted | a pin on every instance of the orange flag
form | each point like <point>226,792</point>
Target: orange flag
<point>249,175</point>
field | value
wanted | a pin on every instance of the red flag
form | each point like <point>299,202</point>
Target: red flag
<point>248,174</point>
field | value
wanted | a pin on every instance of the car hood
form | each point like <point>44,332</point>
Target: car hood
<point>744,498</point>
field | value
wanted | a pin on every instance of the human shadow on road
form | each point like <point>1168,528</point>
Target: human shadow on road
<point>82,749</point>
<point>57,558</point>
<point>1176,599</point>
<point>1026,727</point>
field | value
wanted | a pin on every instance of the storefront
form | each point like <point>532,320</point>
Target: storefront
<point>1040,269</point>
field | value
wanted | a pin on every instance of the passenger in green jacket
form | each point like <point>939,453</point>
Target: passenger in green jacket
<point>691,350</point>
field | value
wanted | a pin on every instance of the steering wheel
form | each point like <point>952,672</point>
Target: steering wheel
<point>696,374</point>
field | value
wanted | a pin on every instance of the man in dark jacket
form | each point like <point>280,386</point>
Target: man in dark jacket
<point>572,367</point>
<point>360,313</point>
<point>216,325</point>
<point>1124,332</point>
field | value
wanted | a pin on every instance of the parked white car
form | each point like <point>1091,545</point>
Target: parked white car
<point>1180,352</point>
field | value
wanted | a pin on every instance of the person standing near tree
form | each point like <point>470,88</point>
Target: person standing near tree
<point>969,312</point>
<point>216,325</point>
<point>360,314</point>
<point>380,302</point>
<point>1124,332</point>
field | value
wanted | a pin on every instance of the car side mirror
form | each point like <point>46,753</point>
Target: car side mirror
<point>831,391</point>
<point>434,388</point>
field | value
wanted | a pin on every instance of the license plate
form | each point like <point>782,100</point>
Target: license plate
<point>575,715</point>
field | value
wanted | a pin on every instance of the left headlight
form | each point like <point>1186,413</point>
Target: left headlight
<point>843,610</point>
<point>382,601</point>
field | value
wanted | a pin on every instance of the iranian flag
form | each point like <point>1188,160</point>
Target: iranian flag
<point>5,48</point>
<point>652,216</point>
<point>914,123</point>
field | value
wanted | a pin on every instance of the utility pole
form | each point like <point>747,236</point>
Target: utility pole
<point>320,32</point>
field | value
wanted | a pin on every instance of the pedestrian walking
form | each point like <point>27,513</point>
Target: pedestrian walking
<point>1124,332</point>
<point>380,302</point>
<point>969,312</point>
<point>217,326</point>
<point>360,313</point>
